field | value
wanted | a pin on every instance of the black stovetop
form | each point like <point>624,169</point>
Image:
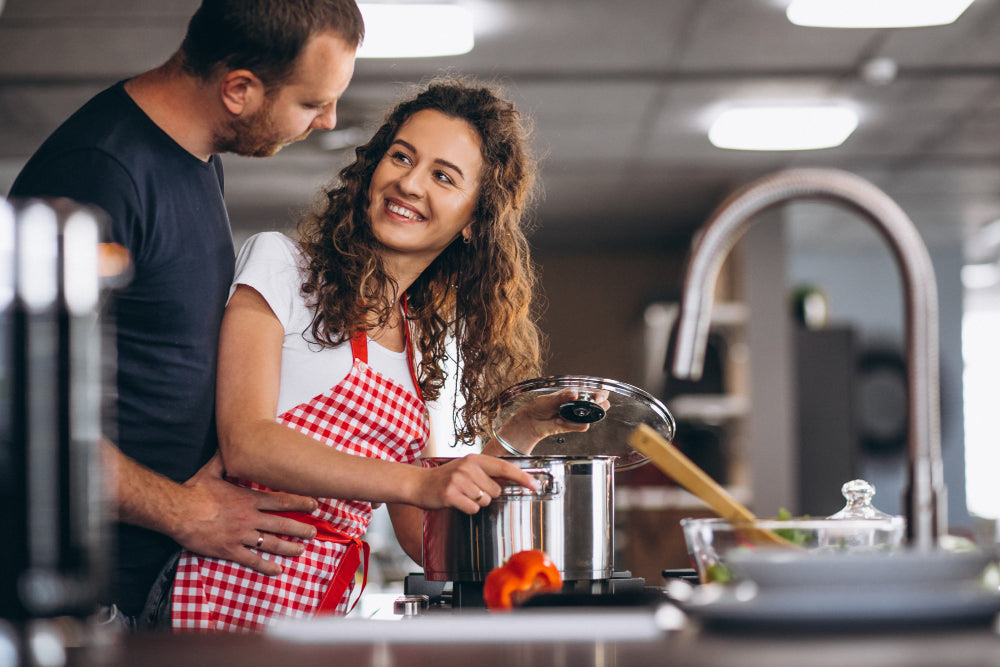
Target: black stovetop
<point>622,589</point>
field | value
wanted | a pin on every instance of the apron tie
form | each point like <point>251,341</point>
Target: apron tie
<point>357,553</point>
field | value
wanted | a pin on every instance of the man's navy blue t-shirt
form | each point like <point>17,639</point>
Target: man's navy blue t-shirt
<point>166,207</point>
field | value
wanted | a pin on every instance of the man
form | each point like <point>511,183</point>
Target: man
<point>250,77</point>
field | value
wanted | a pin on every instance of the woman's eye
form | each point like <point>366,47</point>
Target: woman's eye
<point>443,177</point>
<point>401,157</point>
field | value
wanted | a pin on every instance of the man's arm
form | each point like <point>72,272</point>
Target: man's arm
<point>206,514</point>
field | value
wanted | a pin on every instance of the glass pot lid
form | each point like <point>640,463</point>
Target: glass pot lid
<point>598,417</point>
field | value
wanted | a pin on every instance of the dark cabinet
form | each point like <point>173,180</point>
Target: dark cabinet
<point>826,370</point>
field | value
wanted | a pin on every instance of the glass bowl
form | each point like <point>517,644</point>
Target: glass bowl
<point>714,544</point>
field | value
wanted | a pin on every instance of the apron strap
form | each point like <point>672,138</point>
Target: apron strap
<point>359,348</point>
<point>357,553</point>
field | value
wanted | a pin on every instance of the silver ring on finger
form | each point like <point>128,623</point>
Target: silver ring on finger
<point>480,495</point>
<point>260,539</point>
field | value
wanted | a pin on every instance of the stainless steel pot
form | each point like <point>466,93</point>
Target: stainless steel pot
<point>572,518</point>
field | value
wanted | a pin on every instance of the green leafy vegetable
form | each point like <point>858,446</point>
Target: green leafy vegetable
<point>718,573</point>
<point>797,537</point>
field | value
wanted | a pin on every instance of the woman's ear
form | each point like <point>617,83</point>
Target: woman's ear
<point>467,233</point>
<point>241,91</point>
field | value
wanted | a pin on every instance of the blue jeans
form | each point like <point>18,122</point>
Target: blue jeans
<point>155,615</point>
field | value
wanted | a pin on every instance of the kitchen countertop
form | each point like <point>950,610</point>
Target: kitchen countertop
<point>689,645</point>
<point>956,647</point>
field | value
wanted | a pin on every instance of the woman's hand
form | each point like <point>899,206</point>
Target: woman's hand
<point>540,419</point>
<point>470,483</point>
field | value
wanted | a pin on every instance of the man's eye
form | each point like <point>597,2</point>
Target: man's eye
<point>317,106</point>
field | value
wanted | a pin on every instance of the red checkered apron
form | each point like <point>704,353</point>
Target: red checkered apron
<point>366,415</point>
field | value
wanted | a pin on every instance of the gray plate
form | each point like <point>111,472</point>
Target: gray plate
<point>832,609</point>
<point>852,569</point>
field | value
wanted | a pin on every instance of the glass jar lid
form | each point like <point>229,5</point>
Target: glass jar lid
<point>596,417</point>
<point>858,494</point>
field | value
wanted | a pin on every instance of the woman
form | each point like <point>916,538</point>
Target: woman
<point>343,334</point>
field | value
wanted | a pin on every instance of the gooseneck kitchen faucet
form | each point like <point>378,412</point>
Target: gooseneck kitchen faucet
<point>925,495</point>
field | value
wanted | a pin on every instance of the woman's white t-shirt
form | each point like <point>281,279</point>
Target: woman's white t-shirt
<point>273,265</point>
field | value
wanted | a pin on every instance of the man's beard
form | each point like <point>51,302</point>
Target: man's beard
<point>253,135</point>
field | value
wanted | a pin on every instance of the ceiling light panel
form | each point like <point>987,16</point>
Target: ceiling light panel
<point>782,128</point>
<point>875,13</point>
<point>416,31</point>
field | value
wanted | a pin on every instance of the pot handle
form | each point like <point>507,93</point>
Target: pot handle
<point>549,485</point>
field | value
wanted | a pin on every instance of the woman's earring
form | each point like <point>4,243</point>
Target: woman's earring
<point>466,240</point>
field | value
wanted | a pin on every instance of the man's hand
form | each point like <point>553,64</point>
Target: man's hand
<point>208,515</point>
<point>226,519</point>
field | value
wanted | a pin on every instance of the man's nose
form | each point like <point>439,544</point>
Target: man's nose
<point>326,120</point>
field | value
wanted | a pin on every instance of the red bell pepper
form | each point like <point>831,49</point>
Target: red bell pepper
<point>523,575</point>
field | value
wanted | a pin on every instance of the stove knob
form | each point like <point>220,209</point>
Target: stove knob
<point>410,605</point>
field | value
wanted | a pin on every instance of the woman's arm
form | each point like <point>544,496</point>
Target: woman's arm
<point>256,447</point>
<point>408,524</point>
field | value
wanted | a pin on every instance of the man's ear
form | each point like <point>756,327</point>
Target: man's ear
<point>241,91</point>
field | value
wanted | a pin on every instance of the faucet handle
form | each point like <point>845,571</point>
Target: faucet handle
<point>858,494</point>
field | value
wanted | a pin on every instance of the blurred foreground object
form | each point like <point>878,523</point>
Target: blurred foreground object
<point>55,563</point>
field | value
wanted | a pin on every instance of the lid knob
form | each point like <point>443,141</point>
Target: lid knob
<point>858,494</point>
<point>582,411</point>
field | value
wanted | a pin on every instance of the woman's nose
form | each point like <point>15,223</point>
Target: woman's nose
<point>412,182</point>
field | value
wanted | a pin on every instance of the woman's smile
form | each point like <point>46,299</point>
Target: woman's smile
<point>403,211</point>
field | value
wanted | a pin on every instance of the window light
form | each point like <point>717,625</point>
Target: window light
<point>980,276</point>
<point>415,31</point>
<point>875,13</point>
<point>7,271</point>
<point>782,128</point>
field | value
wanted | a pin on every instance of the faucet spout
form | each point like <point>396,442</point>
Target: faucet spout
<point>926,496</point>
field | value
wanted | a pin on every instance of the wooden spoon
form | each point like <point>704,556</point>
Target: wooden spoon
<point>672,461</point>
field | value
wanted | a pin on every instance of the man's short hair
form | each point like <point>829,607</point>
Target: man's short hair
<point>263,36</point>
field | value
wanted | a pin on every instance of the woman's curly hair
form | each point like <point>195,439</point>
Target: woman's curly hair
<point>481,291</point>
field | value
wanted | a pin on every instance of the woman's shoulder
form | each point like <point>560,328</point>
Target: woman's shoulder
<point>272,264</point>
<point>272,242</point>
<point>272,247</point>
